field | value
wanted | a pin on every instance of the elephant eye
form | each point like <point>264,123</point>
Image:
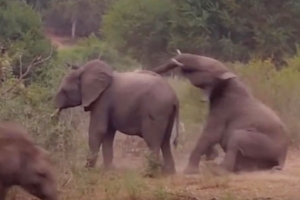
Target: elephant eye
<point>42,174</point>
<point>65,93</point>
<point>188,70</point>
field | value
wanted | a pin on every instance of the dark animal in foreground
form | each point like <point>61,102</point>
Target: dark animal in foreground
<point>24,164</point>
<point>251,134</point>
<point>135,103</point>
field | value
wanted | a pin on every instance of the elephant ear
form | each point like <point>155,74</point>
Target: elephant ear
<point>95,78</point>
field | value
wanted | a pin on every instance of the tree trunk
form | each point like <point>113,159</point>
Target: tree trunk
<point>74,23</point>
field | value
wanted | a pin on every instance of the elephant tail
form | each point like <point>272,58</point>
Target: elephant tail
<point>176,122</point>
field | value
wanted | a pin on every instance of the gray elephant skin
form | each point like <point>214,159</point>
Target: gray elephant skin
<point>24,164</point>
<point>251,134</point>
<point>138,103</point>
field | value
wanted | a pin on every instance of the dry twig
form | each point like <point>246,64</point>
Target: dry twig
<point>37,60</point>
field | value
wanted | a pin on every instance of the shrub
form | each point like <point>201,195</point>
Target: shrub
<point>92,48</point>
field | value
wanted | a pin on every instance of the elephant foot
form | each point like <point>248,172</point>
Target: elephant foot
<point>276,168</point>
<point>109,167</point>
<point>167,170</point>
<point>218,170</point>
<point>191,170</point>
<point>91,160</point>
<point>90,165</point>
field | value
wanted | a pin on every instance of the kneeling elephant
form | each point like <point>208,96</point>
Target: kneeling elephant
<point>251,134</point>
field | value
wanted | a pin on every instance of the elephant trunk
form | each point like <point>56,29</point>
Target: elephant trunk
<point>171,64</point>
<point>58,105</point>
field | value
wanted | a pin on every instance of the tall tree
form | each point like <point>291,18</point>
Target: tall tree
<point>80,16</point>
<point>140,28</point>
<point>226,29</point>
<point>21,35</point>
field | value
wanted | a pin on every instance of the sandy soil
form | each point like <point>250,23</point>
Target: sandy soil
<point>271,185</point>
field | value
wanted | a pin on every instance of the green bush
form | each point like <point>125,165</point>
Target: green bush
<point>278,89</point>
<point>139,28</point>
<point>92,48</point>
<point>21,33</point>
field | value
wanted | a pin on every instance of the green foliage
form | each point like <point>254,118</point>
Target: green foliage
<point>85,16</point>
<point>21,33</point>
<point>229,30</point>
<point>92,48</point>
<point>278,89</point>
<point>139,28</point>
<point>39,5</point>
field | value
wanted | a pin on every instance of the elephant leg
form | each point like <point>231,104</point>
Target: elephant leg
<point>153,132</point>
<point>107,149</point>
<point>211,153</point>
<point>202,146</point>
<point>169,164</point>
<point>154,149</point>
<point>3,192</point>
<point>247,164</point>
<point>254,145</point>
<point>96,136</point>
<point>95,141</point>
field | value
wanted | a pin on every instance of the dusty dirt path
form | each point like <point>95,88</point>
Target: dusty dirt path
<point>266,185</point>
<point>62,42</point>
<point>257,185</point>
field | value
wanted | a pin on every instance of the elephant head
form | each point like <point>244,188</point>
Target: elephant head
<point>203,72</point>
<point>25,164</point>
<point>38,177</point>
<point>83,85</point>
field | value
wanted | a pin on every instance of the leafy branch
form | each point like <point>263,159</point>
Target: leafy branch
<point>37,60</point>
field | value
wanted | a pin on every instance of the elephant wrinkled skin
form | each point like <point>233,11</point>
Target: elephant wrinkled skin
<point>251,134</point>
<point>24,164</point>
<point>135,103</point>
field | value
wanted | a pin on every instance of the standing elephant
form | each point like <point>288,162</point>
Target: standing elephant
<point>24,164</point>
<point>250,133</point>
<point>135,103</point>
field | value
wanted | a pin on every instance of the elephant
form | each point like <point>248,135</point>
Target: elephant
<point>138,103</point>
<point>24,164</point>
<point>251,134</point>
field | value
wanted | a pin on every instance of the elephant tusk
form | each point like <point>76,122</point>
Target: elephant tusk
<point>178,51</point>
<point>227,75</point>
<point>176,62</point>
<point>56,112</point>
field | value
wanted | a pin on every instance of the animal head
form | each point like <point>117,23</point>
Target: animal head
<point>38,176</point>
<point>83,85</point>
<point>203,72</point>
<point>24,163</point>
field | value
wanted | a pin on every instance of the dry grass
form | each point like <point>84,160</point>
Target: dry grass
<point>128,182</point>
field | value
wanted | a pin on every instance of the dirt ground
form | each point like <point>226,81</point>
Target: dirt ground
<point>271,185</point>
<point>61,42</point>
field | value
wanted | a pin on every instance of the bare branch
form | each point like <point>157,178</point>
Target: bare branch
<point>20,66</point>
<point>37,60</point>
<point>72,66</point>
<point>3,50</point>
